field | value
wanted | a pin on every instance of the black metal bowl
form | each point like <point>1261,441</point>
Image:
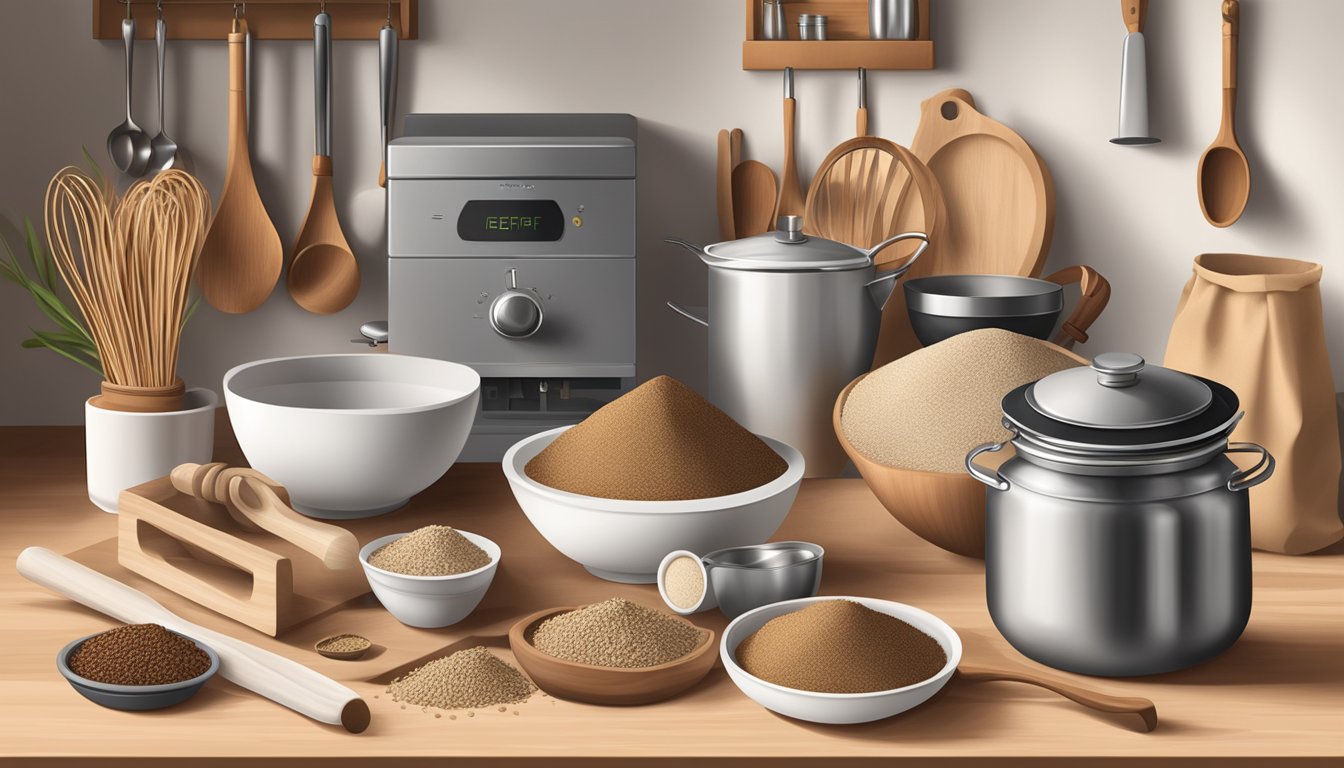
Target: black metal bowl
<point>946,305</point>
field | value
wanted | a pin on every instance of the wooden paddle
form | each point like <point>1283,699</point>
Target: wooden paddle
<point>241,260</point>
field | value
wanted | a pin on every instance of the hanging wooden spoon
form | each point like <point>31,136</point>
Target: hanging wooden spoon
<point>242,256</point>
<point>324,276</point>
<point>1224,174</point>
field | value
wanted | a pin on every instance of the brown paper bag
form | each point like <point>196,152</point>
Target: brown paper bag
<point>1254,323</point>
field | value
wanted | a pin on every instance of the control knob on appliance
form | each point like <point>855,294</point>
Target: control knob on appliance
<point>515,313</point>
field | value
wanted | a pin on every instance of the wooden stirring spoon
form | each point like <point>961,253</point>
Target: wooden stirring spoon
<point>1102,702</point>
<point>242,256</point>
<point>1224,174</point>
<point>323,276</point>
<point>754,193</point>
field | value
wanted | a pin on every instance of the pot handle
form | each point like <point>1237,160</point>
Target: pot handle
<point>883,269</point>
<point>1248,478</point>
<point>1096,293</point>
<point>995,480</point>
<point>690,313</point>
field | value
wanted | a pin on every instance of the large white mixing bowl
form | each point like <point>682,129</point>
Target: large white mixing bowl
<point>625,541</point>
<point>352,435</point>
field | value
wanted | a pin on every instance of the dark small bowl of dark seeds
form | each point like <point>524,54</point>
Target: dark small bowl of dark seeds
<point>137,667</point>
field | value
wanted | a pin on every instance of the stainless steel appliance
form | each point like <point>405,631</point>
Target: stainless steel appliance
<point>1117,540</point>
<point>511,245</point>
<point>792,319</point>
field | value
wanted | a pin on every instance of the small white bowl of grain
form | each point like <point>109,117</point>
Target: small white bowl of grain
<point>431,577</point>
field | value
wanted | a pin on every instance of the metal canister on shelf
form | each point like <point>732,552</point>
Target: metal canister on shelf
<point>772,20</point>
<point>811,26</point>
<point>893,19</point>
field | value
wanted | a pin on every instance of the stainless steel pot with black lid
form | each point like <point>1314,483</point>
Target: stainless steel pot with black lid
<point>1118,536</point>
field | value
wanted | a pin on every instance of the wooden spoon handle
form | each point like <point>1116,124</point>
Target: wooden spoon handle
<point>1101,702</point>
<point>1231,30</point>
<point>1134,12</point>
<point>1096,293</point>
<point>336,547</point>
<point>723,186</point>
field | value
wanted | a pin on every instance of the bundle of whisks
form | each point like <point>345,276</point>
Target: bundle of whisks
<point>129,262</point>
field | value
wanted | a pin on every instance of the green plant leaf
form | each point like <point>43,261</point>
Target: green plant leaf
<point>191,310</point>
<point>52,307</point>
<point>64,350</point>
<point>94,170</point>
<point>42,264</point>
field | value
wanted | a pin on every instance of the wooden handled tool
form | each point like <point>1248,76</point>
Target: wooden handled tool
<point>1224,173</point>
<point>790,188</point>
<point>1091,699</point>
<point>723,184</point>
<point>242,256</point>
<point>256,501</point>
<point>277,678</point>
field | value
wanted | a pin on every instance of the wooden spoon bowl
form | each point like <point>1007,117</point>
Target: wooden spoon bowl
<point>612,686</point>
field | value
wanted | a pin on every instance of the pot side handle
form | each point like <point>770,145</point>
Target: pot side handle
<point>694,314</point>
<point>995,480</point>
<point>1249,478</point>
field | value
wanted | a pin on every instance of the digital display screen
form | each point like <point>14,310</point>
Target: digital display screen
<point>511,221</point>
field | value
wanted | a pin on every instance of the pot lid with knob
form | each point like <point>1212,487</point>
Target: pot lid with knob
<point>1121,404</point>
<point>788,249</point>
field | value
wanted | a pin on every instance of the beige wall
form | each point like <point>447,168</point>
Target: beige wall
<point>1049,68</point>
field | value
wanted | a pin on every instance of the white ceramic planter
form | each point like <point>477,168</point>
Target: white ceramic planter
<point>125,449</point>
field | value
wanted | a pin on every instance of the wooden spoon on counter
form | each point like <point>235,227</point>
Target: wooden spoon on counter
<point>1224,174</point>
<point>242,256</point>
<point>1102,702</point>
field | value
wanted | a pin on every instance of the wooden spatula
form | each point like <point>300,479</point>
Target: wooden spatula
<point>790,188</point>
<point>723,186</point>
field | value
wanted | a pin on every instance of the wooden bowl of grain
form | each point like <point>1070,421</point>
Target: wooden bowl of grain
<point>612,686</point>
<point>947,508</point>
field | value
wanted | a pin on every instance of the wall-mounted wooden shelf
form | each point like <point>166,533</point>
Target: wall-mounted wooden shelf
<point>267,19</point>
<point>847,45</point>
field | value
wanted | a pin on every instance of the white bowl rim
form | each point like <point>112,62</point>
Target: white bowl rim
<point>491,548</point>
<point>792,475</point>
<point>939,678</point>
<point>444,403</point>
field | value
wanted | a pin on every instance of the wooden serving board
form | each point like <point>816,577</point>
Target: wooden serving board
<point>1000,203</point>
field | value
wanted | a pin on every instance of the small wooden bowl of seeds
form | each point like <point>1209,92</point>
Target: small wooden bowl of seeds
<point>615,653</point>
<point>346,647</point>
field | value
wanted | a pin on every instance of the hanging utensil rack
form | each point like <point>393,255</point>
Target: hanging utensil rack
<point>847,45</point>
<point>268,19</point>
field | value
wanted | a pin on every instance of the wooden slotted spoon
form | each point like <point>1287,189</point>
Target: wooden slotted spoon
<point>241,260</point>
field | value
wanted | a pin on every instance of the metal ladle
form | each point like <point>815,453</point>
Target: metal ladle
<point>127,144</point>
<point>163,150</point>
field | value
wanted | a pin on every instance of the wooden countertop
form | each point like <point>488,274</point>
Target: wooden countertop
<point>1275,698</point>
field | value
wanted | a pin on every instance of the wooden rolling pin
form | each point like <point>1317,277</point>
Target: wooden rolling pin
<point>277,678</point>
<point>256,501</point>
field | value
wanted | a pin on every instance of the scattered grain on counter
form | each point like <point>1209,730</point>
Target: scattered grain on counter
<point>139,654</point>
<point>435,550</point>
<point>344,644</point>
<point>926,410</point>
<point>616,633</point>
<point>684,582</point>
<point>840,646</point>
<point>471,678</point>
<point>660,441</point>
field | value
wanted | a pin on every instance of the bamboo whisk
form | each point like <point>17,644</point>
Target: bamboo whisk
<point>128,263</point>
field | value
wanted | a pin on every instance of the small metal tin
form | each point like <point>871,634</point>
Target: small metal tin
<point>772,20</point>
<point>811,26</point>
